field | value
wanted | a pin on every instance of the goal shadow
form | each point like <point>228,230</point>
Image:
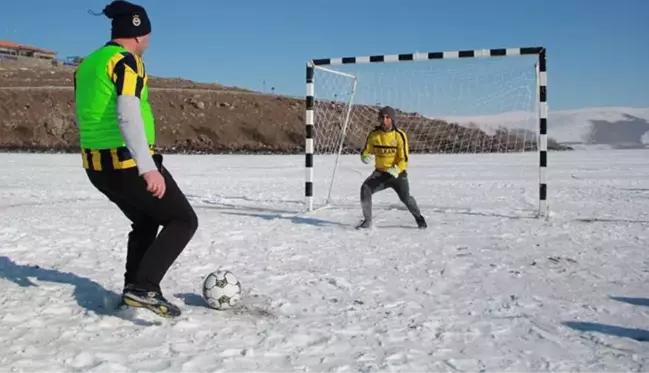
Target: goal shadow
<point>271,212</point>
<point>274,209</point>
<point>428,209</point>
<point>295,218</point>
<point>225,203</point>
<point>611,220</point>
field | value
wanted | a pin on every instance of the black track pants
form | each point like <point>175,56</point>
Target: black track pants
<point>379,181</point>
<point>149,254</point>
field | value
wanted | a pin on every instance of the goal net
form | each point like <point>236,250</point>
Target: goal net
<point>475,121</point>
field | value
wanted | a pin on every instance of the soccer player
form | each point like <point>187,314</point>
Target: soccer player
<point>389,145</point>
<point>117,137</point>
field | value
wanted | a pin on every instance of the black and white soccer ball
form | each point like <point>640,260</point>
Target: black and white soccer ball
<point>221,289</point>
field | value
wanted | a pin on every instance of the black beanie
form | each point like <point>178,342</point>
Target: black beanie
<point>387,110</point>
<point>128,20</point>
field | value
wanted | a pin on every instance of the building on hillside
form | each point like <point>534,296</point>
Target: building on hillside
<point>9,48</point>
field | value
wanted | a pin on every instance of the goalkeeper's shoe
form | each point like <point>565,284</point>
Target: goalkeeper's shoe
<point>364,224</point>
<point>151,300</point>
<point>421,222</point>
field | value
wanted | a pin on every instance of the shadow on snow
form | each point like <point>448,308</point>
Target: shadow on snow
<point>640,335</point>
<point>292,218</point>
<point>88,294</point>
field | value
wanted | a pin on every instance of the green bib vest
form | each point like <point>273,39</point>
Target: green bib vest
<point>96,103</point>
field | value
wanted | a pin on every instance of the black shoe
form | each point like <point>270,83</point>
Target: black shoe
<point>151,300</point>
<point>421,222</point>
<point>127,287</point>
<point>365,224</point>
<point>122,304</point>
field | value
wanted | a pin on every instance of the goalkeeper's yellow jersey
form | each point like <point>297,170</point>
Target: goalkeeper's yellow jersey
<point>390,148</point>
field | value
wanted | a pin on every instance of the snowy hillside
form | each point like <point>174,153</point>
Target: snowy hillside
<point>609,127</point>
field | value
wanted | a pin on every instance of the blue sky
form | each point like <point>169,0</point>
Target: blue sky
<point>598,52</point>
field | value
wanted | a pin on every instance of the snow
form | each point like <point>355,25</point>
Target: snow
<point>487,287</point>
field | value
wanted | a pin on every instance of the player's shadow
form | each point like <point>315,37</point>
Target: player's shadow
<point>87,293</point>
<point>640,335</point>
<point>192,299</point>
<point>195,300</point>
<point>634,301</point>
<point>292,218</point>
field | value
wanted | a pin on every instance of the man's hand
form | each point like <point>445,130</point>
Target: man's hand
<point>394,171</point>
<point>155,183</point>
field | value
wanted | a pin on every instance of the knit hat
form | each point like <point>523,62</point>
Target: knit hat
<point>127,20</point>
<point>387,110</point>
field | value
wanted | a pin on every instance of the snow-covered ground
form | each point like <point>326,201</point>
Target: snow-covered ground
<point>486,288</point>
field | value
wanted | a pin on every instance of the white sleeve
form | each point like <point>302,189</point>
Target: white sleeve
<point>131,124</point>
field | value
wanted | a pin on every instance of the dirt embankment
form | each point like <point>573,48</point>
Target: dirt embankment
<point>37,114</point>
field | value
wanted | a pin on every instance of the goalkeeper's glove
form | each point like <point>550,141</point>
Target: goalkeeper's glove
<point>366,159</point>
<point>394,171</point>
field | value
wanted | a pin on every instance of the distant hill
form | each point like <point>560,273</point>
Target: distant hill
<point>600,127</point>
<point>37,114</point>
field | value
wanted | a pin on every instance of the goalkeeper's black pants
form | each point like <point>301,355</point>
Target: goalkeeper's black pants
<point>379,181</point>
<point>149,254</point>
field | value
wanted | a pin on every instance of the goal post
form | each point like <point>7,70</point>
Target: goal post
<point>338,117</point>
<point>336,139</point>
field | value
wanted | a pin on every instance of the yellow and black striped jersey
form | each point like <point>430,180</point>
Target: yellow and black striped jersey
<point>390,148</point>
<point>127,71</point>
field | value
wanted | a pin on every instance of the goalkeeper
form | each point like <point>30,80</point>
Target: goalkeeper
<point>389,145</point>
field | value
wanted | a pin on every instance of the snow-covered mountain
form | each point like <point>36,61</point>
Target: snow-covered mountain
<point>606,127</point>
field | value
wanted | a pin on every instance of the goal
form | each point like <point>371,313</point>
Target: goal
<point>476,122</point>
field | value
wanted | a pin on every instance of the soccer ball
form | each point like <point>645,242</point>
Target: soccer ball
<point>221,289</point>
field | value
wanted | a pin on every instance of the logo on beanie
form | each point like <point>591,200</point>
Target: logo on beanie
<point>136,20</point>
